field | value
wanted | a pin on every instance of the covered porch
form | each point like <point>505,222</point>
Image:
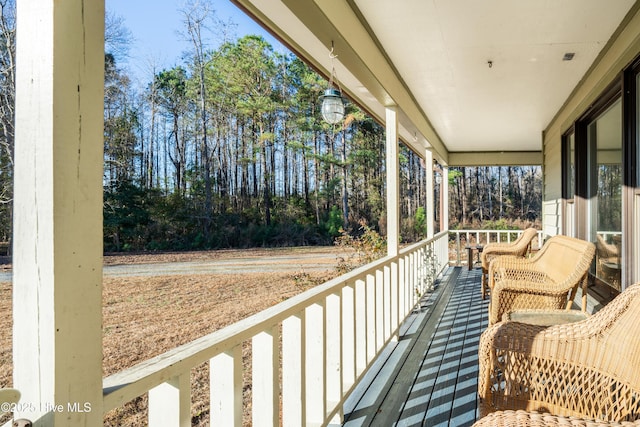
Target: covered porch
<point>315,349</point>
<point>429,376</point>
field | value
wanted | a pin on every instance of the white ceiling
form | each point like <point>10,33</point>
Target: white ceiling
<point>441,48</point>
<point>431,59</point>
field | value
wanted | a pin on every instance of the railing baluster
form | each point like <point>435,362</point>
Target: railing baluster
<point>414,276</point>
<point>348,336</point>
<point>226,388</point>
<point>410,282</point>
<point>170,403</point>
<point>386,283</point>
<point>421,270</point>
<point>361,326</point>
<point>395,297</point>
<point>379,284</point>
<point>402,287</point>
<point>417,273</point>
<point>444,248</point>
<point>333,348</point>
<point>265,386</point>
<point>406,285</point>
<point>293,376</point>
<point>314,364</point>
<point>371,317</point>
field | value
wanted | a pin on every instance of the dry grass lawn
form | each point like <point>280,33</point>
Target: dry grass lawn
<point>146,316</point>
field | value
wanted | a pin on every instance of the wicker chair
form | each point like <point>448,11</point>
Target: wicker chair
<point>549,280</point>
<point>535,419</point>
<point>492,250</point>
<point>588,369</point>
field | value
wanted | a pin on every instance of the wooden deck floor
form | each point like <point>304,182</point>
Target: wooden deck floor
<point>429,376</point>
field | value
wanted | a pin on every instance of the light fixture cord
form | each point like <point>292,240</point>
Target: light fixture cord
<point>333,56</point>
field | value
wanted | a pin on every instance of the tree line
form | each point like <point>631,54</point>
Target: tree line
<point>495,197</point>
<point>228,149</point>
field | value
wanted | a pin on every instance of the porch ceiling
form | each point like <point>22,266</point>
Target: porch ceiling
<point>431,59</point>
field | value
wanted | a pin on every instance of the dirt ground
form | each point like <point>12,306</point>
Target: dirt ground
<point>146,316</point>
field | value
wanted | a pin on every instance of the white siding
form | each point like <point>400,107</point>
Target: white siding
<point>552,217</point>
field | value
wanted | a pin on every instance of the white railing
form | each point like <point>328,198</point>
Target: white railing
<point>325,339</point>
<point>463,238</point>
<point>608,235</point>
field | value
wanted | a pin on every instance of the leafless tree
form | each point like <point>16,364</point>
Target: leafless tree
<point>117,37</point>
<point>196,14</point>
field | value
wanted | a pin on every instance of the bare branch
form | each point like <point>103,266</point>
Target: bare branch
<point>117,37</point>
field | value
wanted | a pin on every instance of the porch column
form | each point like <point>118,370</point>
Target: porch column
<point>428,160</point>
<point>57,253</point>
<point>444,200</point>
<point>393,182</point>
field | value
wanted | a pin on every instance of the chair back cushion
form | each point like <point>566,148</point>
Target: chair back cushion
<point>565,258</point>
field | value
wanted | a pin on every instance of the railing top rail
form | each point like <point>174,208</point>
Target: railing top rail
<point>486,230</point>
<point>136,380</point>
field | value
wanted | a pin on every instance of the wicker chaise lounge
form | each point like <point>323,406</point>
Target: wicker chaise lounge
<point>588,369</point>
<point>517,248</point>
<point>535,419</point>
<point>549,280</point>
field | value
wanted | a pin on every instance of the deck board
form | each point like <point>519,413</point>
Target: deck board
<point>429,377</point>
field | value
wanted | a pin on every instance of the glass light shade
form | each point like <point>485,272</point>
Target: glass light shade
<point>332,106</point>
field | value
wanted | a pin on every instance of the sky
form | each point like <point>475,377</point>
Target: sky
<point>155,26</point>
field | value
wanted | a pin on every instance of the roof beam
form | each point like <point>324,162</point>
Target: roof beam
<point>495,158</point>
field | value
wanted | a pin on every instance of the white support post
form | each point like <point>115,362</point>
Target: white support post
<point>428,160</point>
<point>170,403</point>
<point>393,182</point>
<point>293,372</point>
<point>57,253</point>
<point>444,197</point>
<point>226,388</point>
<point>265,386</point>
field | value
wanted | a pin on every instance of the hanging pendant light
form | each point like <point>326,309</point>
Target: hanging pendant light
<point>332,106</point>
<point>332,101</point>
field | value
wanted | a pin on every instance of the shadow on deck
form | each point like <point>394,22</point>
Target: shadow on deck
<point>429,376</point>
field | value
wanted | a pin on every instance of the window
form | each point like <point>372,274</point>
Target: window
<point>569,182</point>
<point>601,180</point>
<point>604,142</point>
<point>570,159</point>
